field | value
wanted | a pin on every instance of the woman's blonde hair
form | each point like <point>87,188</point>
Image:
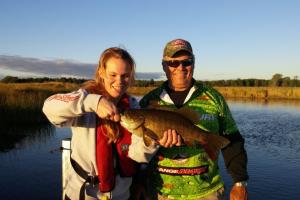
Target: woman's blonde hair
<point>96,86</point>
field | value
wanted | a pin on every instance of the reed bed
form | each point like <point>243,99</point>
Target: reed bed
<point>21,103</point>
<point>139,91</point>
<point>284,93</point>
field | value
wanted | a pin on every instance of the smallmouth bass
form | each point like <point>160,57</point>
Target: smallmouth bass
<point>151,124</point>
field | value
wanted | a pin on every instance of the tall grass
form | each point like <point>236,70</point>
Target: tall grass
<point>285,93</point>
<point>21,103</point>
<point>139,91</point>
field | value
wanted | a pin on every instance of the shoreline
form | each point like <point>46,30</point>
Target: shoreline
<point>21,103</point>
<point>263,93</point>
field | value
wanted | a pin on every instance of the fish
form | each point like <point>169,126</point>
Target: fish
<point>150,124</point>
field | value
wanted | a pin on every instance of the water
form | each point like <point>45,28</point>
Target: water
<point>32,170</point>
<point>272,134</point>
<point>29,170</point>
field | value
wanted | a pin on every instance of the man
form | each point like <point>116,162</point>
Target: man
<point>181,90</point>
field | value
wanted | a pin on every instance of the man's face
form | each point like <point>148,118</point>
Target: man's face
<point>179,71</point>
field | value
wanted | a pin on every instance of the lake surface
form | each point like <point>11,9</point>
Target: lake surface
<point>31,168</point>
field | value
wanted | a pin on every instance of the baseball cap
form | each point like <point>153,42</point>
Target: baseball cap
<point>176,45</point>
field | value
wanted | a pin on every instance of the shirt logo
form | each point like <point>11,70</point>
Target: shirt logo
<point>183,171</point>
<point>208,117</point>
<point>124,148</point>
<point>64,97</point>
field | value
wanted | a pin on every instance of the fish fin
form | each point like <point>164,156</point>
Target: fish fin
<point>212,153</point>
<point>155,105</point>
<point>139,131</point>
<point>149,136</point>
<point>217,141</point>
<point>213,144</point>
<point>147,140</point>
<point>146,134</point>
<point>190,114</point>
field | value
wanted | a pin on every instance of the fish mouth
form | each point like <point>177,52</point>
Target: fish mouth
<point>123,123</point>
<point>122,117</point>
<point>127,124</point>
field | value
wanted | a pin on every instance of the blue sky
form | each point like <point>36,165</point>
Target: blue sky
<point>231,39</point>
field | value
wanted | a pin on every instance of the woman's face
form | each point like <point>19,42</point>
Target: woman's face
<point>116,77</point>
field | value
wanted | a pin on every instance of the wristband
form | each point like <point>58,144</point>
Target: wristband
<point>241,184</point>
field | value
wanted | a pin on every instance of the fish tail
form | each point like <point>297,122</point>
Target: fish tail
<point>212,153</point>
<point>217,141</point>
<point>214,143</point>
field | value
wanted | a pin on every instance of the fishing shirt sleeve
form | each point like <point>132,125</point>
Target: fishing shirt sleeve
<point>63,110</point>
<point>234,154</point>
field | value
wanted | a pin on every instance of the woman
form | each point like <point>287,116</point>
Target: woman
<point>102,151</point>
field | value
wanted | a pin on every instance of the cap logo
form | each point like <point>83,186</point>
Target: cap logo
<point>175,46</point>
<point>179,42</point>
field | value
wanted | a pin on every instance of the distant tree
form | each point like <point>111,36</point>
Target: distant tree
<point>276,80</point>
<point>286,82</point>
<point>257,83</point>
<point>295,82</point>
<point>151,82</point>
<point>141,83</point>
<point>10,79</point>
<point>249,82</point>
<point>238,82</point>
<point>157,83</point>
<point>221,83</point>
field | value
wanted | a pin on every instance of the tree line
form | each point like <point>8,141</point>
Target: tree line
<point>14,79</point>
<point>277,80</point>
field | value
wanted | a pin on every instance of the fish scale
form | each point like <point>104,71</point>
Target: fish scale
<point>170,120</point>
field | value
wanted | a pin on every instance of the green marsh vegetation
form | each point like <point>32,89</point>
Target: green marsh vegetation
<point>21,100</point>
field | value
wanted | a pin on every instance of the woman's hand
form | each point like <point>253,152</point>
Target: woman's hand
<point>107,110</point>
<point>170,139</point>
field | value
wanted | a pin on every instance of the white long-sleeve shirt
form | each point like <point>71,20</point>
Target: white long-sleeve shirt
<point>77,110</point>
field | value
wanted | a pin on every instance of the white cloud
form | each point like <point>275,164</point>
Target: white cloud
<point>34,67</point>
<point>40,67</point>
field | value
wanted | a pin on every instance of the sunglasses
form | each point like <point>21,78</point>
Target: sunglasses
<point>177,63</point>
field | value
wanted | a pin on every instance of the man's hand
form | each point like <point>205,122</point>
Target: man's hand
<point>107,110</point>
<point>239,193</point>
<point>170,139</point>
